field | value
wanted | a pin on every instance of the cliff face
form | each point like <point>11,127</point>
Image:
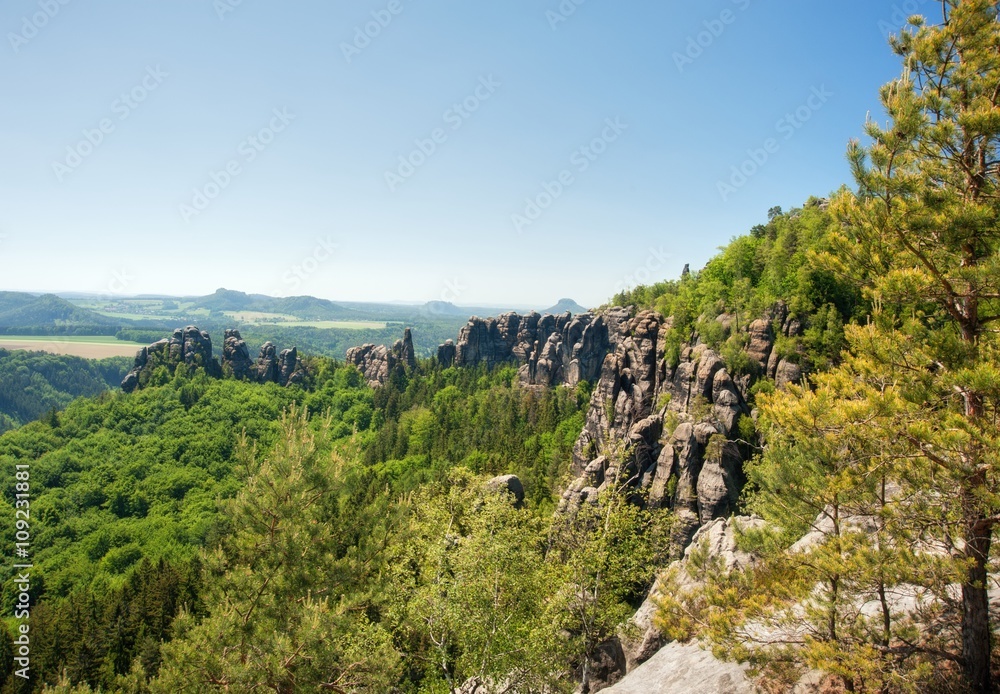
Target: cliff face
<point>194,347</point>
<point>377,363</point>
<point>670,429</point>
<point>548,350</point>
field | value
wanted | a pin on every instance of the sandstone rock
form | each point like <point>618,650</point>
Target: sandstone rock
<point>640,638</point>
<point>446,353</point>
<point>684,669</point>
<point>194,347</point>
<point>408,356</point>
<point>289,367</point>
<point>548,350</point>
<point>787,372</point>
<point>510,484</point>
<point>236,356</point>
<point>377,363</point>
<point>266,367</point>
<point>188,345</point>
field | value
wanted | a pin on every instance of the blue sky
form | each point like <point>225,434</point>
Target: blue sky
<point>479,152</point>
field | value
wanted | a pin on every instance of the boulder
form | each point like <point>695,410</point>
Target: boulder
<point>684,669</point>
<point>510,484</point>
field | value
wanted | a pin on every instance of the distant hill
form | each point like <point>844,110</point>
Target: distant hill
<point>304,307</point>
<point>565,305</point>
<point>444,308</point>
<point>31,314</point>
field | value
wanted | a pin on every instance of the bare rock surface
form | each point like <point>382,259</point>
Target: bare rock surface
<point>548,349</point>
<point>684,669</point>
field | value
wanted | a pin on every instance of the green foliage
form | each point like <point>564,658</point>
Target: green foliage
<point>471,590</point>
<point>35,383</point>
<point>777,261</point>
<point>287,589</point>
<point>485,422</point>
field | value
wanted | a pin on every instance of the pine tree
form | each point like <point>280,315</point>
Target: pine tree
<point>924,229</point>
<point>288,589</point>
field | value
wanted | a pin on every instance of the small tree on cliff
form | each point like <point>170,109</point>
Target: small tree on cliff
<point>923,235</point>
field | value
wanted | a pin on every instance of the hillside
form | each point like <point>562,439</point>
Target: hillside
<point>34,383</point>
<point>27,314</point>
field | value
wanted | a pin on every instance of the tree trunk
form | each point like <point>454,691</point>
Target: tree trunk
<point>976,646</point>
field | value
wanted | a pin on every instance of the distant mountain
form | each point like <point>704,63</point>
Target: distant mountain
<point>444,308</point>
<point>565,305</point>
<point>304,307</point>
<point>28,313</point>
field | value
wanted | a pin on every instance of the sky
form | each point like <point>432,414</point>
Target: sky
<point>483,153</point>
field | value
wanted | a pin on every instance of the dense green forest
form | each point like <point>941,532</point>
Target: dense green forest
<point>129,490</point>
<point>34,383</point>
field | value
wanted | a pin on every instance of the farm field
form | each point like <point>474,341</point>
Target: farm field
<point>332,324</point>
<point>86,346</point>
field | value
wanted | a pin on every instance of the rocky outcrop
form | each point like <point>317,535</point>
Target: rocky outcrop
<point>640,638</point>
<point>672,429</point>
<point>446,354</point>
<point>188,345</point>
<point>548,349</point>
<point>236,356</point>
<point>377,363</point>
<point>509,484</point>
<point>193,347</point>
<point>683,669</point>
<point>669,430</point>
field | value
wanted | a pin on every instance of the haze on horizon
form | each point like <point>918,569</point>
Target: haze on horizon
<point>391,150</point>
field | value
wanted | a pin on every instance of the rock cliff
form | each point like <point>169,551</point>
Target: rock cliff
<point>194,347</point>
<point>377,362</point>
<point>548,349</point>
<point>673,429</point>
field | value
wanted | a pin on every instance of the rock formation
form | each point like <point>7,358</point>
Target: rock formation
<point>547,349</point>
<point>187,345</point>
<point>510,484</point>
<point>673,429</point>
<point>446,354</point>
<point>377,363</point>
<point>236,355</point>
<point>194,347</point>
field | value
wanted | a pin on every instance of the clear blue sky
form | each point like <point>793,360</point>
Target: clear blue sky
<point>310,208</point>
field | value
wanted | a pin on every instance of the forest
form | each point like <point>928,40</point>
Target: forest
<point>208,534</point>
